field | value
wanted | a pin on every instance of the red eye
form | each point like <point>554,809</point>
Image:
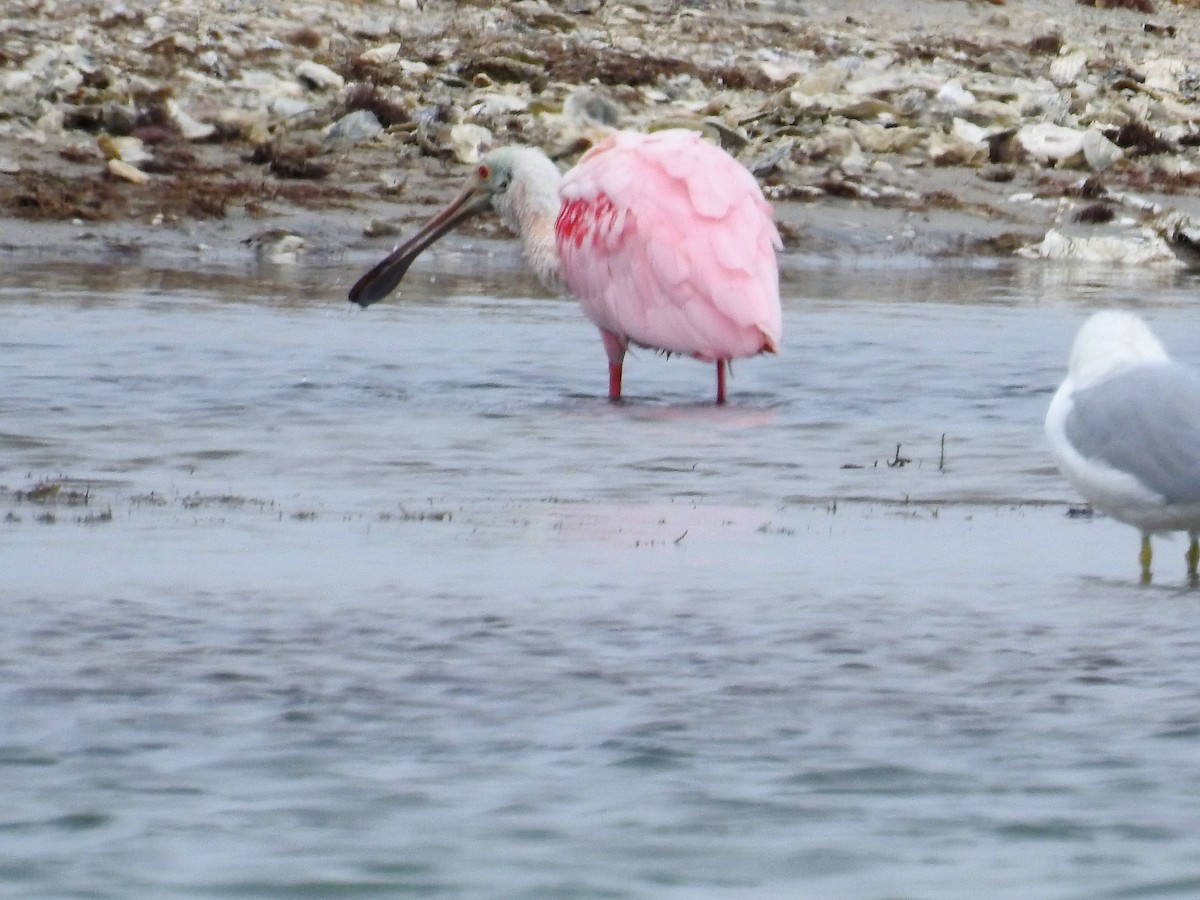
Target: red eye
<point>484,172</point>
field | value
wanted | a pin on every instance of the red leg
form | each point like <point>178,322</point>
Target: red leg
<point>720,381</point>
<point>614,381</point>
<point>615,348</point>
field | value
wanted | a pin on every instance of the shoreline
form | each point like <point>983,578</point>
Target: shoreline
<point>158,135</point>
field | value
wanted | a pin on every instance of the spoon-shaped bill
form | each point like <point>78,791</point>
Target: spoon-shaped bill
<point>382,279</point>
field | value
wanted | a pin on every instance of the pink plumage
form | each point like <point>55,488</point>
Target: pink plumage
<point>665,240</point>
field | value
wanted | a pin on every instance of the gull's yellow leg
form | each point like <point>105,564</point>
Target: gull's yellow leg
<point>1144,558</point>
<point>1193,555</point>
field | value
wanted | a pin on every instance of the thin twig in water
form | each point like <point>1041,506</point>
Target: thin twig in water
<point>898,460</point>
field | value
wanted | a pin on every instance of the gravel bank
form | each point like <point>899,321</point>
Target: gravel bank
<point>943,128</point>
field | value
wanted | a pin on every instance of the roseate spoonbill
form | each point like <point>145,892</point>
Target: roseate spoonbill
<point>1125,429</point>
<point>665,239</point>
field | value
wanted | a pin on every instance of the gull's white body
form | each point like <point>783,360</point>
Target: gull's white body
<point>1124,427</point>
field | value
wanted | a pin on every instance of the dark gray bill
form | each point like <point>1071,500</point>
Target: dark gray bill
<point>382,279</point>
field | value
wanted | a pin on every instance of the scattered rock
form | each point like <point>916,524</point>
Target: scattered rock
<point>837,106</point>
<point>290,162</point>
<point>354,128</point>
<point>1096,214</point>
<point>127,148</point>
<point>276,245</point>
<point>1134,248</point>
<point>469,142</point>
<point>318,76</point>
<point>379,228</point>
<point>191,129</point>
<point>118,168</point>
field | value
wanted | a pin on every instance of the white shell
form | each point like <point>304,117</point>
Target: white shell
<point>469,142</point>
<point>1066,69</point>
<point>190,128</point>
<point>825,80</point>
<point>319,76</point>
<point>1099,151</point>
<point>252,124</point>
<point>355,127</point>
<point>879,139</point>
<point>129,149</point>
<point>1050,143</point>
<point>497,104</point>
<point>286,107</point>
<point>1163,74</point>
<point>949,150</point>
<point>952,93</point>
<point>969,131</point>
<point>1135,249</point>
<point>384,53</point>
<point>123,170</point>
<point>267,84</point>
<point>995,111</point>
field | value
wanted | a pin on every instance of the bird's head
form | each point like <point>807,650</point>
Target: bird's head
<point>1109,341</point>
<point>506,180</point>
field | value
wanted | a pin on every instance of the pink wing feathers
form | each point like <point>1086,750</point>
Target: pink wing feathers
<point>667,242</point>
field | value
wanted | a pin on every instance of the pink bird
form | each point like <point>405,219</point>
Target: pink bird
<point>665,240</point>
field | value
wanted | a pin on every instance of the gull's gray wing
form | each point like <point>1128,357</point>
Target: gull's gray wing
<point>1144,421</point>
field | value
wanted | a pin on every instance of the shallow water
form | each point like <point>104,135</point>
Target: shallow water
<point>310,602</point>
